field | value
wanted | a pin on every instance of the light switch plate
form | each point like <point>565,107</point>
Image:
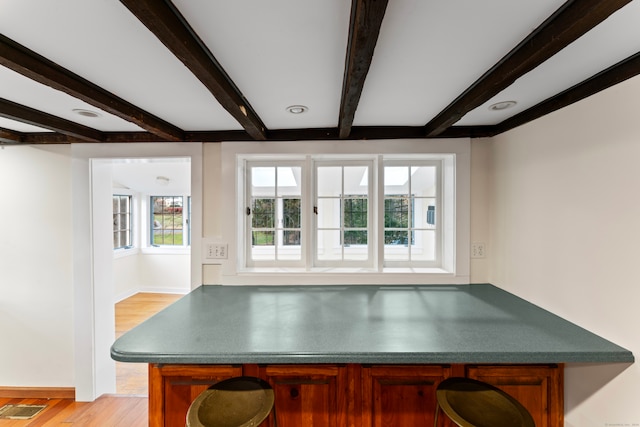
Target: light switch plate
<point>216,251</point>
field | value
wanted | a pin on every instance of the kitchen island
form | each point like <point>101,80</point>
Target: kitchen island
<point>358,355</point>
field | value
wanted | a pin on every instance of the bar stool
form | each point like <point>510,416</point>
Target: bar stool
<point>472,403</point>
<point>236,402</point>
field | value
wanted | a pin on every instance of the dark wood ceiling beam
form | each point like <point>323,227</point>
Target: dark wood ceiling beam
<point>170,27</point>
<point>312,134</point>
<point>20,113</point>
<point>613,75</point>
<point>36,67</point>
<point>567,24</point>
<point>8,136</point>
<point>364,29</point>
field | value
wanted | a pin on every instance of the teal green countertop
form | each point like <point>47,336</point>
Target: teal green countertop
<point>360,324</point>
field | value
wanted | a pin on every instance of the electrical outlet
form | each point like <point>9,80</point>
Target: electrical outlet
<point>216,251</point>
<point>478,250</point>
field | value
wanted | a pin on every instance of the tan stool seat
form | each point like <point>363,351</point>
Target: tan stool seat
<point>236,402</point>
<point>471,403</point>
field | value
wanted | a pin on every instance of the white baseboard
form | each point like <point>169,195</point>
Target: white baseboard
<point>132,292</point>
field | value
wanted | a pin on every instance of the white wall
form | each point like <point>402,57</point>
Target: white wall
<point>140,272</point>
<point>36,282</point>
<point>126,276</point>
<point>479,217</point>
<point>565,234</point>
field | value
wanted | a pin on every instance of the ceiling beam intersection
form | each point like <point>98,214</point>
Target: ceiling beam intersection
<point>21,113</point>
<point>170,27</point>
<point>40,69</point>
<point>8,136</point>
<point>567,24</point>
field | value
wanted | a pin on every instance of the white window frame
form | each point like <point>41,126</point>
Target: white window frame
<point>245,236</point>
<point>370,261</point>
<point>133,222</point>
<point>440,212</point>
<point>146,247</point>
<point>455,158</point>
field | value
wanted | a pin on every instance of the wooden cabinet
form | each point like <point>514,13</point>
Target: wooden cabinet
<point>539,388</point>
<point>400,396</point>
<point>172,388</point>
<point>308,395</point>
<point>355,395</point>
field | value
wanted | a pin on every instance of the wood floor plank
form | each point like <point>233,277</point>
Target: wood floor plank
<point>112,411</point>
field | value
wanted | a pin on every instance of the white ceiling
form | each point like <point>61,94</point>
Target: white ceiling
<point>141,176</point>
<point>284,52</point>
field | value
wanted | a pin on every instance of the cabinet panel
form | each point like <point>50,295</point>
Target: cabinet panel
<point>174,387</point>
<point>538,388</point>
<point>400,396</point>
<point>308,395</point>
<point>355,395</point>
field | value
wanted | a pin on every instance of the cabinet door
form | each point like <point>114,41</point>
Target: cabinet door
<point>401,396</point>
<point>308,395</point>
<point>172,388</point>
<point>538,388</point>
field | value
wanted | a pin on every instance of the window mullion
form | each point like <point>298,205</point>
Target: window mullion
<point>276,206</point>
<point>410,222</point>
<point>343,207</point>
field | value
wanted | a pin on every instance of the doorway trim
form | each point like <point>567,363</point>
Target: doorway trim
<point>93,304</point>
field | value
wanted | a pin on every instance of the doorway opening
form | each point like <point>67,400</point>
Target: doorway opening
<point>93,254</point>
<point>146,260</point>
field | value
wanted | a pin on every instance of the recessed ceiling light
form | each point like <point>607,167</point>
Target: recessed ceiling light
<point>297,109</point>
<point>162,180</point>
<point>499,106</point>
<point>86,113</point>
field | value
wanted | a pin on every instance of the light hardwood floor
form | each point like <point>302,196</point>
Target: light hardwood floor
<point>106,411</point>
<point>129,408</point>
<point>131,378</point>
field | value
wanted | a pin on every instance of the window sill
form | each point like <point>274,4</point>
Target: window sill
<point>407,270</point>
<point>166,250</point>
<point>344,276</point>
<point>123,253</point>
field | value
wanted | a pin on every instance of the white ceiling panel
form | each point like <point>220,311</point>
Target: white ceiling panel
<point>279,53</point>
<point>22,90</point>
<point>430,52</point>
<point>19,126</point>
<point>140,175</point>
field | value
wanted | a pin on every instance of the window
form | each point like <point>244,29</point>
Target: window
<point>122,233</point>
<point>169,220</point>
<point>372,213</point>
<point>274,214</point>
<point>411,232</point>
<point>343,214</point>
